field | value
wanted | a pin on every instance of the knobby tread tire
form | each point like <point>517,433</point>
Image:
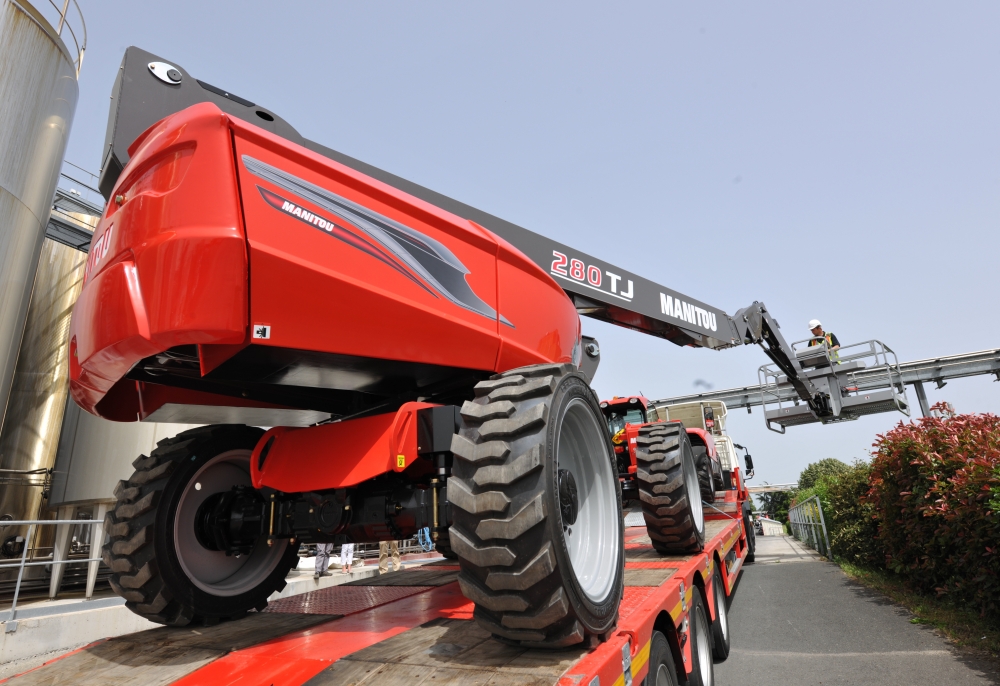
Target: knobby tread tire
<point>144,568</point>
<point>505,518</point>
<point>703,463</point>
<point>660,451</point>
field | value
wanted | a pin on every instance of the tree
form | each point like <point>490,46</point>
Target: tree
<point>824,468</point>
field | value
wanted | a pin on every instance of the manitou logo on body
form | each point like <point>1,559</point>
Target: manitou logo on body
<point>306,216</point>
<point>590,276</point>
<point>98,251</point>
<point>678,309</point>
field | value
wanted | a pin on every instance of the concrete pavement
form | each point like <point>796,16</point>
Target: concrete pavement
<point>797,619</point>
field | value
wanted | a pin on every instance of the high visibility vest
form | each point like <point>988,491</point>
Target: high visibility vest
<point>834,354</point>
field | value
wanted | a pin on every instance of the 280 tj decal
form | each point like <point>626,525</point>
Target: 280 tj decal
<point>422,259</point>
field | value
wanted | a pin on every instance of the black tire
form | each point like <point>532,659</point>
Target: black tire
<point>151,567</point>
<point>662,668</point>
<point>700,629</point>
<point>720,626</point>
<point>530,434</point>
<point>668,492</point>
<point>703,463</point>
<point>443,546</point>
<point>718,479</point>
<point>751,538</point>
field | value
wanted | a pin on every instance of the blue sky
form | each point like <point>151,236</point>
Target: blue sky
<point>837,161</point>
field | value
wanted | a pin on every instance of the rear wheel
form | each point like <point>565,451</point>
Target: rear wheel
<point>720,627</point>
<point>157,561</point>
<point>702,669</point>
<point>751,538</point>
<point>662,670</point>
<point>668,488</point>
<point>536,507</point>
<point>706,482</point>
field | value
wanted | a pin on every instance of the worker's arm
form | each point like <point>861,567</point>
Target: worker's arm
<point>834,343</point>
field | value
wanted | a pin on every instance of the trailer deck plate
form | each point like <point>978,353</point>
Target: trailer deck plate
<point>342,600</point>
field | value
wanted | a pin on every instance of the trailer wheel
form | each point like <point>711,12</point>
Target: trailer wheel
<point>706,481</point>
<point>702,669</point>
<point>662,670</point>
<point>668,488</point>
<point>157,563</point>
<point>536,508</point>
<point>751,538</point>
<point>720,627</point>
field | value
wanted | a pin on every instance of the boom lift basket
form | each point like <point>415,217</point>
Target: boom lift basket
<point>861,379</point>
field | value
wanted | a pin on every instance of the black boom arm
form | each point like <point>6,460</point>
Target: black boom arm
<point>756,326</point>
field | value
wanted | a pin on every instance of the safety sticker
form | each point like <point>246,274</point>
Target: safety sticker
<point>262,331</point>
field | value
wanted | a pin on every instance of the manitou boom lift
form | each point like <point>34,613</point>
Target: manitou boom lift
<point>420,364</point>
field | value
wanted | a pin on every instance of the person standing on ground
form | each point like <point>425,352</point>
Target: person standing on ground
<point>383,556</point>
<point>346,557</point>
<point>819,335</point>
<point>323,551</point>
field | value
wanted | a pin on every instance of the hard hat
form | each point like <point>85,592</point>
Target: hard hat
<point>813,323</point>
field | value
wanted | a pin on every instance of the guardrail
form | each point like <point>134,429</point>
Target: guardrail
<point>808,525</point>
<point>10,626</point>
<point>64,15</point>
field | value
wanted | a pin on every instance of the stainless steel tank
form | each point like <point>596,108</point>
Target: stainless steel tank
<point>38,94</point>
<point>40,386</point>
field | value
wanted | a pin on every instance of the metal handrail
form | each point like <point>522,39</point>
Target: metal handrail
<point>81,47</point>
<point>808,522</point>
<point>31,524</point>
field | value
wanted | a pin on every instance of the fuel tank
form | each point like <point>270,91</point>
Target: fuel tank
<point>235,271</point>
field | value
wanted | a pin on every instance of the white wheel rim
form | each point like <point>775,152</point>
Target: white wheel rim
<point>662,677</point>
<point>694,494</point>
<point>720,608</point>
<point>211,570</point>
<point>592,540</point>
<point>704,647</point>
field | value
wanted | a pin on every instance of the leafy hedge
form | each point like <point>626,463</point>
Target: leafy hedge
<point>852,524</point>
<point>849,518</point>
<point>935,498</point>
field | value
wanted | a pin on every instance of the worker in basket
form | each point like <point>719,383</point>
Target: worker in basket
<point>816,327</point>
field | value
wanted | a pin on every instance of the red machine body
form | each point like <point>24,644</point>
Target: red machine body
<point>235,268</point>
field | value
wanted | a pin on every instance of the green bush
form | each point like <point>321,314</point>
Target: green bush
<point>851,520</point>
<point>935,487</point>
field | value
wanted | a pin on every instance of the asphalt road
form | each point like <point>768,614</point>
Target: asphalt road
<point>799,620</point>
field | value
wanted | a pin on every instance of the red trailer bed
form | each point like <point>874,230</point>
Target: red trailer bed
<point>411,627</point>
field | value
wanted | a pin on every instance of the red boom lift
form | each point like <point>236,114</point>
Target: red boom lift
<point>421,364</point>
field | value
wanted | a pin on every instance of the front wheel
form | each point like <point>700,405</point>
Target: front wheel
<point>667,481</point>
<point>536,506</point>
<point>157,559</point>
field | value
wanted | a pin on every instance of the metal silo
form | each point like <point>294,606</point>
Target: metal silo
<point>41,49</point>
<point>40,56</point>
